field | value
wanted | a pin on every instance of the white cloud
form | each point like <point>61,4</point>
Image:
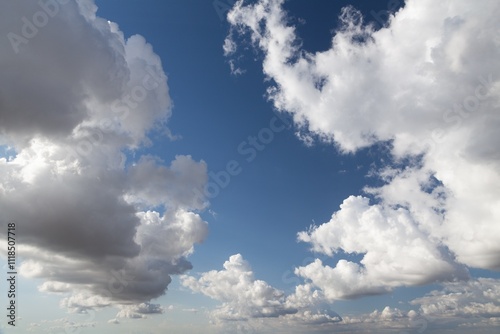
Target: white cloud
<point>242,295</point>
<point>460,305</point>
<point>428,85</point>
<point>83,302</point>
<point>55,287</point>
<point>101,228</point>
<point>252,305</point>
<point>169,237</point>
<point>394,252</point>
<point>478,298</point>
<point>140,310</point>
<point>388,320</point>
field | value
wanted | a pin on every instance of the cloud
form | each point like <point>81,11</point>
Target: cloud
<point>101,224</point>
<point>478,298</point>
<point>427,87</point>
<point>165,242</point>
<point>60,325</point>
<point>184,179</point>
<point>92,75</point>
<point>83,302</point>
<point>305,310</point>
<point>140,311</point>
<point>388,320</point>
<point>394,251</point>
<point>252,301</point>
<point>242,295</point>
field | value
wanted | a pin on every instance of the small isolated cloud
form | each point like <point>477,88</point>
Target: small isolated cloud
<point>140,310</point>
<point>55,287</point>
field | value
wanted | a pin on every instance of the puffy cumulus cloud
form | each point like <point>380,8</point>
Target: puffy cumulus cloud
<point>75,94</point>
<point>84,302</point>
<point>139,311</point>
<point>427,85</point>
<point>165,242</point>
<point>388,320</point>
<point>459,307</point>
<point>349,92</point>
<point>304,296</point>
<point>387,314</point>
<point>93,76</point>
<point>55,287</point>
<point>242,295</point>
<point>320,317</point>
<point>251,305</point>
<point>394,252</point>
<point>478,298</point>
<point>312,307</point>
<point>170,234</point>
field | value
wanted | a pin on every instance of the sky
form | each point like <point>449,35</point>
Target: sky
<point>257,166</point>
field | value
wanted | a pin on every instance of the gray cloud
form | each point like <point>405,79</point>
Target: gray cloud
<point>98,227</point>
<point>46,84</point>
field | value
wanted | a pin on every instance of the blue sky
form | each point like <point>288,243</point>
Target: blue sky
<point>228,110</point>
<point>288,168</point>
